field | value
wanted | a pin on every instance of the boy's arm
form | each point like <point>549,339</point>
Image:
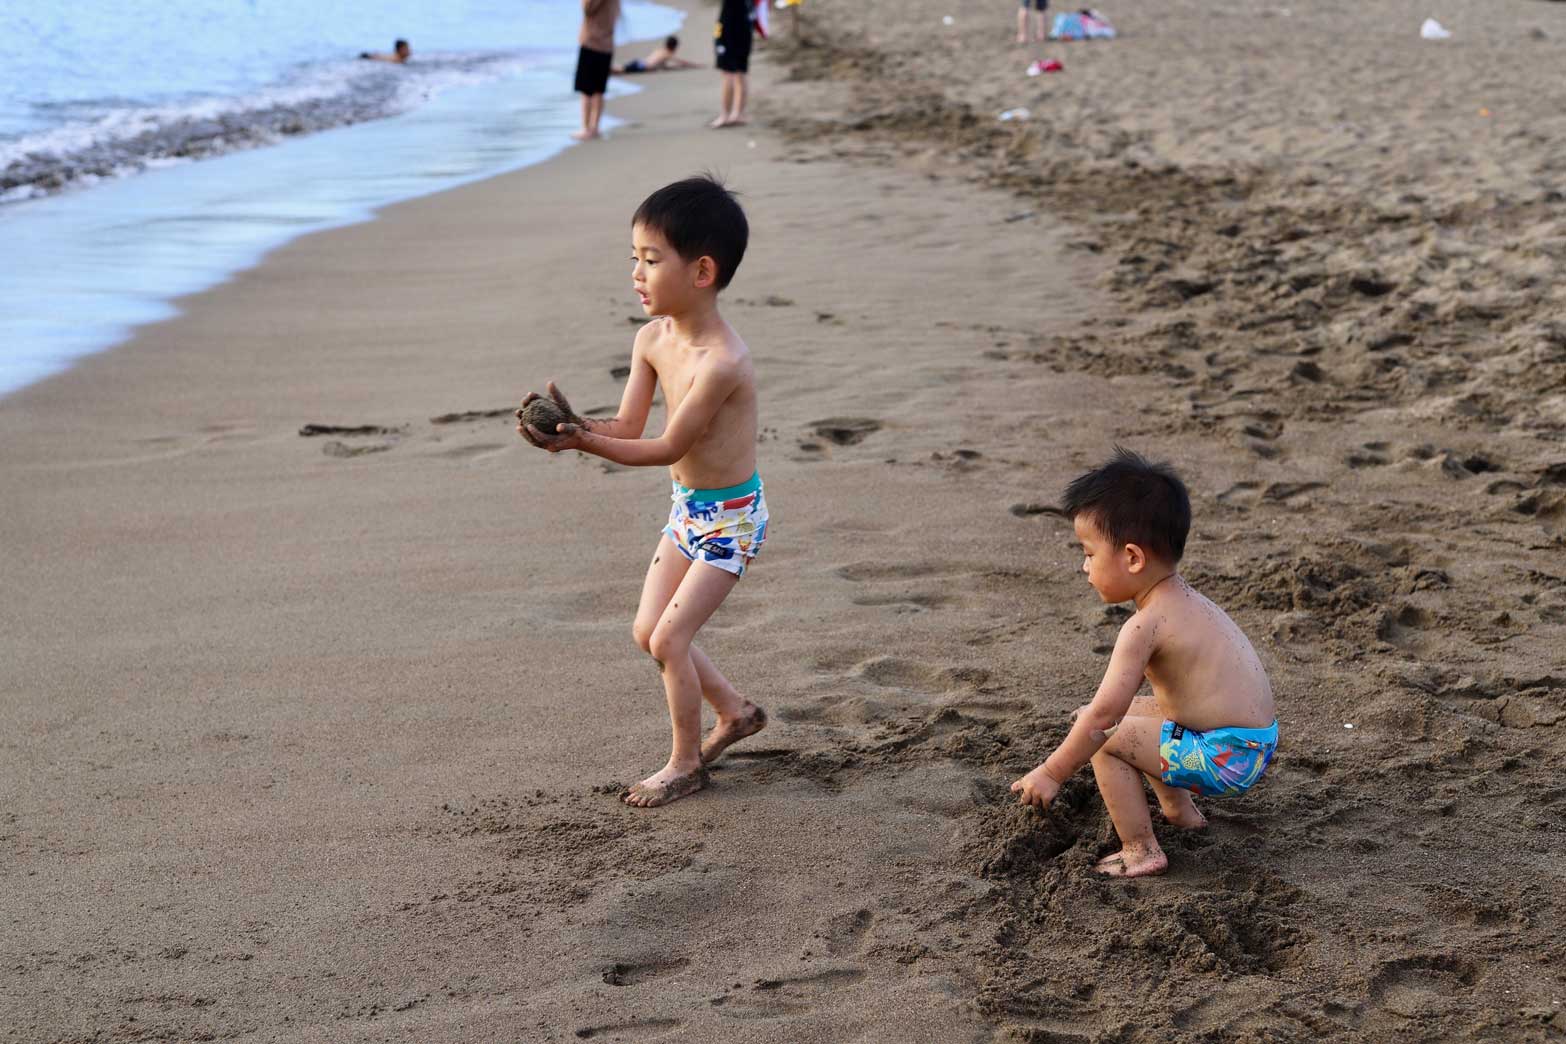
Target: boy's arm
<point>628,423</point>
<point>709,391</point>
<point>630,420</point>
<point>1134,647</point>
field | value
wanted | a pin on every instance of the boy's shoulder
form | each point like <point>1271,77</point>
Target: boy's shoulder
<point>1186,607</point>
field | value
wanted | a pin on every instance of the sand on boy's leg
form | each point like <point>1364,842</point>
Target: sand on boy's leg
<point>1177,805</point>
<point>678,597</point>
<point>1119,767</point>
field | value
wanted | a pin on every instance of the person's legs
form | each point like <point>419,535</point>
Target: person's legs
<point>690,606</point>
<point>598,113</point>
<point>1038,24</point>
<point>741,88</point>
<point>1118,767</point>
<point>1175,803</point>
<point>1022,24</point>
<point>587,119</point>
<point>725,101</point>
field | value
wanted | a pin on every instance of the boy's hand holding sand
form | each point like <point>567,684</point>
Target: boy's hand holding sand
<point>1210,726</point>
<point>687,240</point>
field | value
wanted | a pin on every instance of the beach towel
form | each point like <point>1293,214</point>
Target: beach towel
<point>1081,25</point>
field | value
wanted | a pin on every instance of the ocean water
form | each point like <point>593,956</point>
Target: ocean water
<point>153,150</point>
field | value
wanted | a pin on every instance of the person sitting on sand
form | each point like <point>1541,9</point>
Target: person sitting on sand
<point>1210,726</point>
<point>661,59</point>
<point>687,240</point>
<point>400,53</point>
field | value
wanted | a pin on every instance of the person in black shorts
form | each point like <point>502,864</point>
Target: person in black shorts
<point>592,61</point>
<point>1039,7</point>
<point>733,33</point>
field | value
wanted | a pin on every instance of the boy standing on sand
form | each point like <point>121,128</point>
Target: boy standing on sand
<point>687,239</point>
<point>1210,726</point>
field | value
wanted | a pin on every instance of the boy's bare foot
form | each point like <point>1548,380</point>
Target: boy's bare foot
<point>721,121</point>
<point>726,733</point>
<point>584,135</point>
<point>1187,817</point>
<point>665,786</point>
<point>1129,863</point>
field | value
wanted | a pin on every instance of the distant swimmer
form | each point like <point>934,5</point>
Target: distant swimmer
<point>400,53</point>
<point>662,59</point>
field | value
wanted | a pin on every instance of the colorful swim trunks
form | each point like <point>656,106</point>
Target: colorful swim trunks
<point>1218,761</point>
<point>722,527</point>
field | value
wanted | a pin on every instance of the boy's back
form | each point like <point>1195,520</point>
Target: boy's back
<point>1204,672</point>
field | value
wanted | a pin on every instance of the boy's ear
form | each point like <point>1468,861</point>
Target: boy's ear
<point>1136,558</point>
<point>706,272</point>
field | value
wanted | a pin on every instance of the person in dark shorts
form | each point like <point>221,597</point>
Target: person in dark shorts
<point>593,60</point>
<point>1039,6</point>
<point>733,33</point>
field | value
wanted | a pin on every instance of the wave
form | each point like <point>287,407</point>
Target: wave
<point>116,137</point>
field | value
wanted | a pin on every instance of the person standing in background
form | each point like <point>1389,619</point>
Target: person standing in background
<point>733,33</point>
<point>593,60</point>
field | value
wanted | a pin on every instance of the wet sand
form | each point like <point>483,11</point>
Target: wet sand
<point>319,737</point>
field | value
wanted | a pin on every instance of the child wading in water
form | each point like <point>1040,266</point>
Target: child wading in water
<point>686,241</point>
<point>1210,726</point>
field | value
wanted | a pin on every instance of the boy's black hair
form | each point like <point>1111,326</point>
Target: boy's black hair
<point>699,218</point>
<point>672,43</point>
<point>1134,501</point>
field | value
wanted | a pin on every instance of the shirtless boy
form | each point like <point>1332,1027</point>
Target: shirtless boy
<point>1209,727</point>
<point>400,53</point>
<point>686,241</point>
<point>663,58</point>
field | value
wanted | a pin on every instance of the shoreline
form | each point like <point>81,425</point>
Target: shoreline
<point>78,249</point>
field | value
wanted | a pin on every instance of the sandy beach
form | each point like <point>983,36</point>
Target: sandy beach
<point>319,737</point>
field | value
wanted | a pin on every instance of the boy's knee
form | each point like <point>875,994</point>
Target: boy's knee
<point>665,645</point>
<point>643,636</point>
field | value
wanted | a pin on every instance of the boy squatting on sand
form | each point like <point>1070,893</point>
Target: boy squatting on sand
<point>687,239</point>
<point>1210,727</point>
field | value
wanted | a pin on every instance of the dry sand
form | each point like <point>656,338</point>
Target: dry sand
<point>318,738</point>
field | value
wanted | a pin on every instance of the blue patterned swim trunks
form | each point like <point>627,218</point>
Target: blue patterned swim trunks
<point>722,527</point>
<point>1218,761</point>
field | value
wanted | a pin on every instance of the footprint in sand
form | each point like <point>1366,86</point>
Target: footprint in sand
<point>636,973</point>
<point>477,451</point>
<point>468,416</point>
<point>904,603</point>
<point>342,449</point>
<point>861,572</point>
<point>893,672</point>
<point>1283,492</point>
<point>1032,509</point>
<point>776,998</point>
<point>845,431</point>
<point>1423,987</point>
<point>845,933</point>
<point>641,1029</point>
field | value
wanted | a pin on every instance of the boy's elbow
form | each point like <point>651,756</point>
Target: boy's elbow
<point>1097,720</point>
<point>670,454</point>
